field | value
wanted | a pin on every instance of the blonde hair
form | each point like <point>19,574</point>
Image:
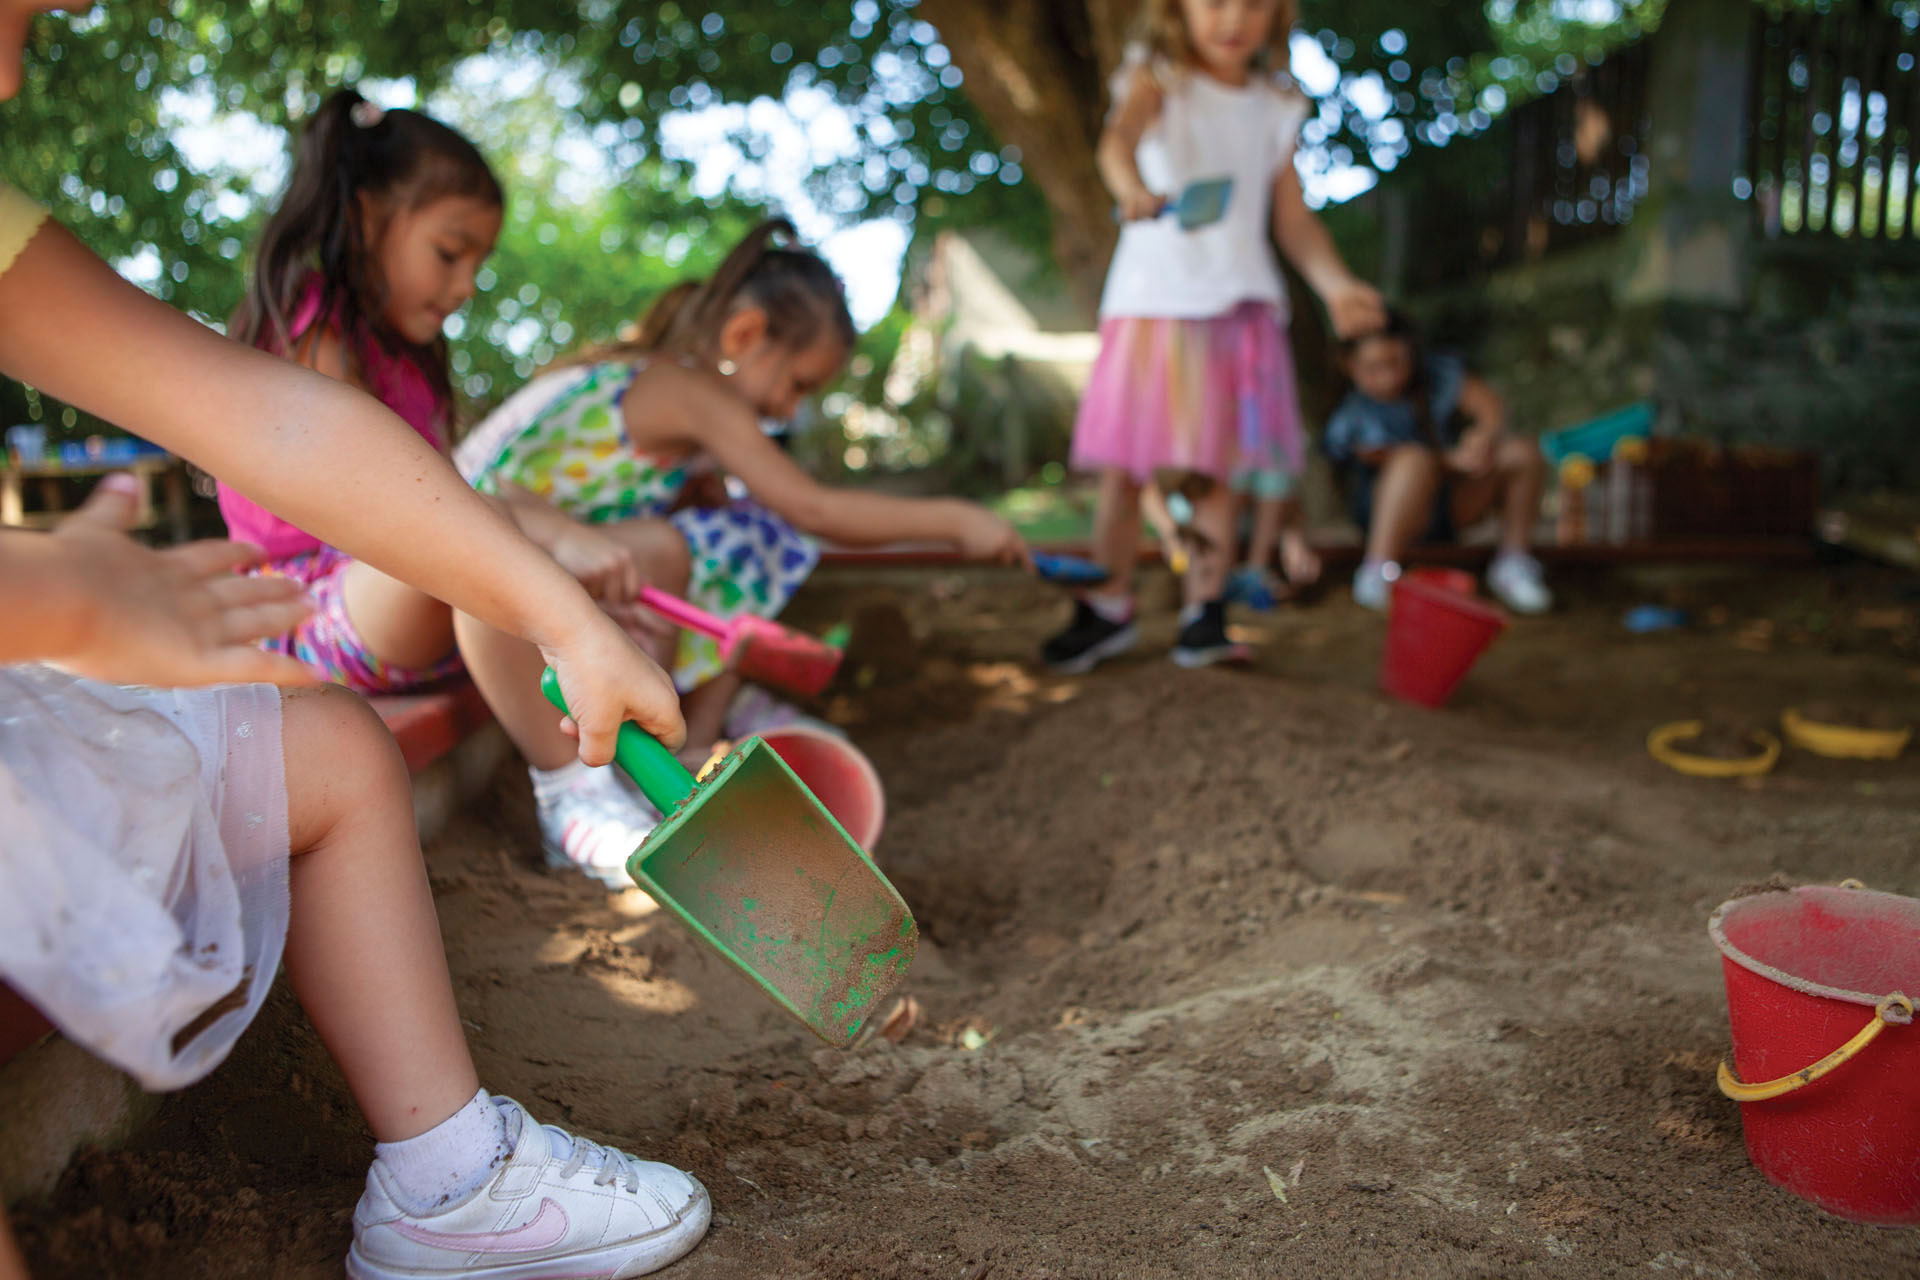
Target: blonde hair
<point>1163,29</point>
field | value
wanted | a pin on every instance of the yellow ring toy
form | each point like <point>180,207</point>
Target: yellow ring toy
<point>1841,741</point>
<point>1660,747</point>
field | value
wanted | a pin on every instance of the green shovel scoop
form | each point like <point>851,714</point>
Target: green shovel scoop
<point>759,870</point>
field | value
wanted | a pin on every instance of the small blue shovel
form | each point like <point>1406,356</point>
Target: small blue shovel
<point>1200,204</point>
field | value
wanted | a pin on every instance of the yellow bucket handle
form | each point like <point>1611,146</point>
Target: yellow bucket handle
<point>1895,1008</point>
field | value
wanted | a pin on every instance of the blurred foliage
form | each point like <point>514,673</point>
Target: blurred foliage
<point>91,131</point>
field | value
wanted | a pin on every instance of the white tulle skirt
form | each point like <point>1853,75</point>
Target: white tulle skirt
<point>143,864</point>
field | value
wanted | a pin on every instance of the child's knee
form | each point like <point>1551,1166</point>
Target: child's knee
<point>1521,455</point>
<point>1413,459</point>
<point>339,757</point>
<point>661,551</point>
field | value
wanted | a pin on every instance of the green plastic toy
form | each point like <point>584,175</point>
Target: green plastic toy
<point>758,869</point>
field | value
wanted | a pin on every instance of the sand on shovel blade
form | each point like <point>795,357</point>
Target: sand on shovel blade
<point>757,867</point>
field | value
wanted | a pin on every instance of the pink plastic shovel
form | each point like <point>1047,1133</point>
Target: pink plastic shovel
<point>762,651</point>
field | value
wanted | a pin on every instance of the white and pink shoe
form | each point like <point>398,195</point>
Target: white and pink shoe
<point>558,1208</point>
<point>592,820</point>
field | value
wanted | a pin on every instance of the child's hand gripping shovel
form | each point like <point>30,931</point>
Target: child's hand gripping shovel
<point>760,871</point>
<point>1199,204</point>
<point>764,652</point>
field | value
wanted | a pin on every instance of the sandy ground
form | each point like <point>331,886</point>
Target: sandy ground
<point>1262,974</point>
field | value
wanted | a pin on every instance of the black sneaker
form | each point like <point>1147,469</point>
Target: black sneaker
<point>1203,642</point>
<point>1088,639</point>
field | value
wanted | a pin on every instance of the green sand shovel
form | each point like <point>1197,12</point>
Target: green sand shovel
<point>760,871</point>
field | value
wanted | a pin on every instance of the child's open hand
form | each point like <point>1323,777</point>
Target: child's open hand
<point>174,618</point>
<point>603,565</point>
<point>607,680</point>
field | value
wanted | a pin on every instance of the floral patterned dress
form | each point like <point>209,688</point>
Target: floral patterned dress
<point>563,437</point>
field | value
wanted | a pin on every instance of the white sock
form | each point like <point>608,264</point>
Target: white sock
<point>448,1162</point>
<point>1115,607</point>
<point>1510,555</point>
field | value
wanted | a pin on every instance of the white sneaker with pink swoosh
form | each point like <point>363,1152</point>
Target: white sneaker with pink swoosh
<point>558,1208</point>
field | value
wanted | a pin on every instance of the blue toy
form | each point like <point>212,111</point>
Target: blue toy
<point>1598,440</point>
<point>1069,571</point>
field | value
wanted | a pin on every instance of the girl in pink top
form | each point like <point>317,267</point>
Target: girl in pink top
<point>387,219</point>
<point>385,223</point>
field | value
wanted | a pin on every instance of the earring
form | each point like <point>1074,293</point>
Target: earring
<point>728,368</point>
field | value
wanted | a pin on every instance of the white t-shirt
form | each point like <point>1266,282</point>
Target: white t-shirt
<point>1206,130</point>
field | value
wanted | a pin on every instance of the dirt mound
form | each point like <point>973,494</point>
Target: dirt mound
<point>1223,975</point>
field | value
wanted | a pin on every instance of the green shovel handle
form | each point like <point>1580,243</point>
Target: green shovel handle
<point>660,777</point>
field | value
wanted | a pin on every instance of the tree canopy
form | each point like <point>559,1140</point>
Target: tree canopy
<point>959,112</point>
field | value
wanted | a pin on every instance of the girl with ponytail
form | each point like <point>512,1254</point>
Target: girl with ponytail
<point>603,445</point>
<point>385,223</point>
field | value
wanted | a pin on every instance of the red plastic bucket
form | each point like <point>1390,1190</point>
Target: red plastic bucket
<point>1458,581</point>
<point>839,775</point>
<point>1826,1061</point>
<point>1434,636</point>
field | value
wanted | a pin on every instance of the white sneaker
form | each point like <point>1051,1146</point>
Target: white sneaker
<point>593,821</point>
<point>1517,579</point>
<point>755,711</point>
<point>559,1206</point>
<point>1373,585</point>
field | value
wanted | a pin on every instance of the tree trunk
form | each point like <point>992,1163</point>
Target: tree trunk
<point>1037,71</point>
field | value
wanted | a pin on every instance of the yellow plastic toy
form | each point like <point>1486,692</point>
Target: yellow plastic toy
<point>1843,741</point>
<point>1660,747</point>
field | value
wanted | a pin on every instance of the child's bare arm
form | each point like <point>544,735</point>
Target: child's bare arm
<point>1121,139</point>
<point>322,351</point>
<point>1487,413</point>
<point>318,453</point>
<point>1484,407</point>
<point>684,408</point>
<point>1355,306</point>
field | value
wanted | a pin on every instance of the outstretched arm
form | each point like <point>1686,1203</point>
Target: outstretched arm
<point>1354,306</point>
<point>679,398</point>
<point>318,453</point>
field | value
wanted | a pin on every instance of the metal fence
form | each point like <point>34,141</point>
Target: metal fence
<point>1834,122</point>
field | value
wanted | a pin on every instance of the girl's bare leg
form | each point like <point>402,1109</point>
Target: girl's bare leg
<point>1116,530</point>
<point>12,1265</point>
<point>363,943</point>
<point>1402,501</point>
<point>1212,560</point>
<point>402,625</point>
<point>507,669</point>
<point>706,710</point>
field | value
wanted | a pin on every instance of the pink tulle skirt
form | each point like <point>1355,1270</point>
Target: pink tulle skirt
<point>1215,396</point>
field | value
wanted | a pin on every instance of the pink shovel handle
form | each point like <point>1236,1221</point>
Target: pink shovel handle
<point>674,609</point>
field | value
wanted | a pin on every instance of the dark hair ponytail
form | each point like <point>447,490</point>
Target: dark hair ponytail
<point>797,290</point>
<point>352,149</point>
